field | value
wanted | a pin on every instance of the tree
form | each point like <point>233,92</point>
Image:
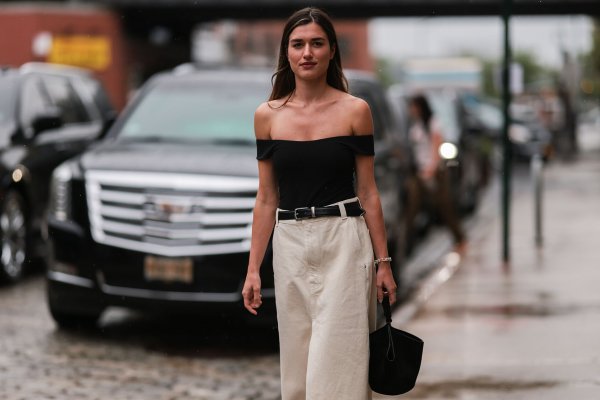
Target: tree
<point>533,71</point>
<point>595,52</point>
<point>590,62</point>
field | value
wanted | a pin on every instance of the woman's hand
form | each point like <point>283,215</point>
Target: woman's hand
<point>385,282</point>
<point>251,292</point>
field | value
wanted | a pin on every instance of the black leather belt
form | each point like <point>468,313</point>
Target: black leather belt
<point>352,210</point>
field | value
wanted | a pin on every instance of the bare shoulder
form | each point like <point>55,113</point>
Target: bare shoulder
<point>360,114</point>
<point>262,121</point>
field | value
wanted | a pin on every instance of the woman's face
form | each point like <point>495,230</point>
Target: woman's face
<point>309,51</point>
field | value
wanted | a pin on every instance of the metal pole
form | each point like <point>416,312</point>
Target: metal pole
<point>537,170</point>
<point>506,165</point>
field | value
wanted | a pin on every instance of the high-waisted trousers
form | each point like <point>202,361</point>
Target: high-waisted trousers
<point>326,306</point>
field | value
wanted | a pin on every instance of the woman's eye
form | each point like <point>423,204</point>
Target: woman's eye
<point>297,45</point>
<point>318,44</point>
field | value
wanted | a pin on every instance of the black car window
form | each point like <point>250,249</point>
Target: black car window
<point>383,106</point>
<point>34,100</point>
<point>444,108</point>
<point>66,98</point>
<point>196,110</point>
<point>99,96</point>
<point>376,112</point>
<point>7,99</point>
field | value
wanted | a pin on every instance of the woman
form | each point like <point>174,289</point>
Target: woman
<point>312,137</point>
<point>430,181</point>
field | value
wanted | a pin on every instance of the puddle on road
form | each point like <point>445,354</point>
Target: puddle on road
<point>515,310</point>
<point>452,388</point>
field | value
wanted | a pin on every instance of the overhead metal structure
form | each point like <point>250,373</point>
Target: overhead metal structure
<point>354,8</point>
<point>187,13</point>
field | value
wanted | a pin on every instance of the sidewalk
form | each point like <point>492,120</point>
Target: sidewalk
<point>530,330</point>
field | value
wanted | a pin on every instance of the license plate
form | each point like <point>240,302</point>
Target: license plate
<point>168,269</point>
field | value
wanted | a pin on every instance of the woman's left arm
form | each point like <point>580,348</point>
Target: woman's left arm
<point>366,190</point>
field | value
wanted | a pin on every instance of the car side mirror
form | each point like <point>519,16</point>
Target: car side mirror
<point>49,119</point>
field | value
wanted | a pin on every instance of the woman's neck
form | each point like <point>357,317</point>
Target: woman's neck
<point>308,92</point>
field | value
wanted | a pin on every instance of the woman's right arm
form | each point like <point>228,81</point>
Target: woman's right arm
<point>263,220</point>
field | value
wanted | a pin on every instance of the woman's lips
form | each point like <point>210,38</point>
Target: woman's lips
<point>308,64</point>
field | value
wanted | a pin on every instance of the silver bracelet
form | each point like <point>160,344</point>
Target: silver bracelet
<point>383,259</point>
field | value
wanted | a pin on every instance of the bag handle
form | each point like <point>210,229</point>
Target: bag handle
<point>387,309</point>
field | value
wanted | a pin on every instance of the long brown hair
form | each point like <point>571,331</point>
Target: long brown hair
<point>420,101</point>
<point>283,80</point>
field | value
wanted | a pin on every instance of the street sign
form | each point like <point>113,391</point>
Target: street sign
<point>93,52</point>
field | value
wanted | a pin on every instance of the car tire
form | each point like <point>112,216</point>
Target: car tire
<point>69,320</point>
<point>13,237</point>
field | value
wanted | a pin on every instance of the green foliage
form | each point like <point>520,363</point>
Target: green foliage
<point>595,52</point>
<point>590,63</point>
<point>532,70</point>
<point>534,73</point>
<point>383,71</point>
<point>488,85</point>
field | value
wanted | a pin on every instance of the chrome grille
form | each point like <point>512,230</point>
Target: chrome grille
<point>171,214</point>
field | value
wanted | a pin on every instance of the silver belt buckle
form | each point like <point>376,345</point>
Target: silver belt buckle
<point>306,212</point>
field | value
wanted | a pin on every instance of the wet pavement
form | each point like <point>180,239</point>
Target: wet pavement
<point>531,329</point>
<point>129,356</point>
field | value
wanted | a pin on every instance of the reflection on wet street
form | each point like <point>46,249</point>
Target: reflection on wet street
<point>528,330</point>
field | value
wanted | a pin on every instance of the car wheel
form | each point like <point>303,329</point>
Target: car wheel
<point>13,234</point>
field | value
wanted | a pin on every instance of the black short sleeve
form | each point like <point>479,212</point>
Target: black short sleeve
<point>264,148</point>
<point>314,172</point>
<point>361,144</point>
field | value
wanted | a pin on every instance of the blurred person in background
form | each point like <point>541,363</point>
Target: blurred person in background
<point>430,184</point>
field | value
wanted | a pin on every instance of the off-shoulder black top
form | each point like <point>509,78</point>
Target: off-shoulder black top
<point>314,172</point>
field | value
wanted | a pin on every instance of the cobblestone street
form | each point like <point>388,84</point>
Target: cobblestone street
<point>129,357</point>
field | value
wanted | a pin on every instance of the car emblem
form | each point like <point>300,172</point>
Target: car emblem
<point>155,207</point>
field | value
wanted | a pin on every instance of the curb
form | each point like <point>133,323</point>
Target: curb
<point>449,264</point>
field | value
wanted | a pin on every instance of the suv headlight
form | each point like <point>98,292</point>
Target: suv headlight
<point>519,133</point>
<point>60,192</point>
<point>448,151</point>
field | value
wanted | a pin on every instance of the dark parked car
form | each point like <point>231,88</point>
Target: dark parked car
<point>466,152</point>
<point>527,134</point>
<point>158,215</point>
<point>48,114</point>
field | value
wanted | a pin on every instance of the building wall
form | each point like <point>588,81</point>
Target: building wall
<point>87,37</point>
<point>258,43</point>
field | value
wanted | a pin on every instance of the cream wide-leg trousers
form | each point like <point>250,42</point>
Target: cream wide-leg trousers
<point>326,306</point>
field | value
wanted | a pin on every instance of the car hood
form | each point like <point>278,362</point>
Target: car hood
<point>191,158</point>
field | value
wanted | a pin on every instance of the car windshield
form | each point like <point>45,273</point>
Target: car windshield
<point>7,100</point>
<point>490,115</point>
<point>445,110</point>
<point>197,111</point>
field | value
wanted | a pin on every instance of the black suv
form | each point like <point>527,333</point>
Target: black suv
<point>158,215</point>
<point>48,113</point>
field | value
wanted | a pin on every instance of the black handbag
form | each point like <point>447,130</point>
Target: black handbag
<point>395,357</point>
